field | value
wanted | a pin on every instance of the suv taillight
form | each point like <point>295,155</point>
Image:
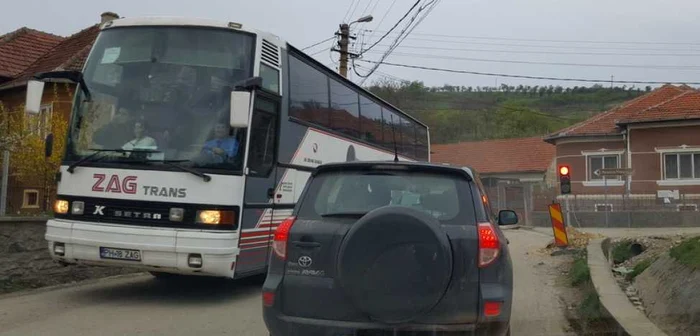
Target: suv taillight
<point>489,245</point>
<point>279,242</point>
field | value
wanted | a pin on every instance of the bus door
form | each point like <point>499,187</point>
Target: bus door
<point>259,221</point>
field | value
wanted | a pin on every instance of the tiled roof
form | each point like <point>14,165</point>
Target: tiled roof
<point>519,155</point>
<point>605,123</point>
<point>22,47</point>
<point>69,54</point>
<point>682,107</point>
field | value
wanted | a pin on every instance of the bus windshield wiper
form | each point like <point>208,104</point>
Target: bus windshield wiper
<point>98,155</point>
<point>174,163</point>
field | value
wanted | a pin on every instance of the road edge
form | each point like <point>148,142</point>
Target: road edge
<point>611,296</point>
<point>70,284</point>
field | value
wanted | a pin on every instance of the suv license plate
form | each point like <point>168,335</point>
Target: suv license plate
<point>120,254</point>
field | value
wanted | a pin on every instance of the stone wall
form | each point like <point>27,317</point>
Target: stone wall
<point>25,261</point>
<point>623,219</point>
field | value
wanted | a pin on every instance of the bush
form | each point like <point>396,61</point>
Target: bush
<point>590,308</point>
<point>688,252</point>
<point>621,251</point>
<point>579,273</point>
<point>639,268</point>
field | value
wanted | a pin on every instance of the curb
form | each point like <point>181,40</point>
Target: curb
<point>634,322</point>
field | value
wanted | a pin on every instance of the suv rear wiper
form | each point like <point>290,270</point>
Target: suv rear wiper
<point>344,214</point>
<point>97,152</point>
<point>173,163</point>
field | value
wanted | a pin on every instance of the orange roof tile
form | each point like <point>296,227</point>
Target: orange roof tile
<point>605,123</point>
<point>682,107</point>
<point>22,47</point>
<point>518,155</point>
<point>69,54</point>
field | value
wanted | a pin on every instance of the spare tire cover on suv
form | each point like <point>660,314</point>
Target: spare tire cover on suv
<point>395,264</point>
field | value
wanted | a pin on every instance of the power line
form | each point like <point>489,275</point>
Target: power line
<point>544,46</point>
<point>345,17</point>
<point>319,42</point>
<point>392,28</point>
<point>409,27</point>
<point>556,41</point>
<point>542,52</point>
<point>383,17</point>
<point>667,67</point>
<point>529,77</point>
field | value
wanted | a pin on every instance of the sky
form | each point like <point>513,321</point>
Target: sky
<point>634,40</point>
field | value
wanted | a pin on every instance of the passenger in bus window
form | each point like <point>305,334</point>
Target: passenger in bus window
<point>223,147</point>
<point>141,140</point>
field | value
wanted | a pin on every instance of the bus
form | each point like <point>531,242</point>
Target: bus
<point>191,140</point>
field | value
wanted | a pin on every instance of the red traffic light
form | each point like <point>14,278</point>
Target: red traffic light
<point>564,170</point>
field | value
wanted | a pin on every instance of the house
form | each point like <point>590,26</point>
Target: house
<point>22,47</point>
<point>656,135</point>
<point>32,193</point>
<point>513,171</point>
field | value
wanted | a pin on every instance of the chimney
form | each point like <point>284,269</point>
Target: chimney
<point>108,16</point>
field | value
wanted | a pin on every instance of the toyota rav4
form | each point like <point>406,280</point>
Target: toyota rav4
<point>385,247</point>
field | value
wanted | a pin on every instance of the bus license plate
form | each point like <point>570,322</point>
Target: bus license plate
<point>120,254</point>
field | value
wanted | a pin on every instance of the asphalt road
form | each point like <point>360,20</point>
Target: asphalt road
<point>140,305</point>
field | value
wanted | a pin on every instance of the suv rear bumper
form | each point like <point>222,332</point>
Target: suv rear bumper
<point>282,325</point>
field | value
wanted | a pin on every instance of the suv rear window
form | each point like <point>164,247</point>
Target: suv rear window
<point>445,197</point>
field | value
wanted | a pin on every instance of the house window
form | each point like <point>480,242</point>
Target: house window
<point>682,166</point>
<point>40,123</point>
<point>601,162</point>
<point>30,199</point>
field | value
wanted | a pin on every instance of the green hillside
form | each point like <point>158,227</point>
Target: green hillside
<point>467,114</point>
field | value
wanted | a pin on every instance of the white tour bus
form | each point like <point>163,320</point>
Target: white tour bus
<point>191,140</point>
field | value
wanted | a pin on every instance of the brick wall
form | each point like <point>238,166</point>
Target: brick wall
<point>570,153</point>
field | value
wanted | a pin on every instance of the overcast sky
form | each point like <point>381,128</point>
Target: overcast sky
<point>495,36</point>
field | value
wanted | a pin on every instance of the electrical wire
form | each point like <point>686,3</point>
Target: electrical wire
<point>392,28</point>
<point>492,74</point>
<point>541,52</point>
<point>651,66</point>
<point>409,27</point>
<point>382,19</point>
<point>555,40</point>
<point>317,43</point>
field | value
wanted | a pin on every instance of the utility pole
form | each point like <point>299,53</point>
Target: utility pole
<point>344,42</point>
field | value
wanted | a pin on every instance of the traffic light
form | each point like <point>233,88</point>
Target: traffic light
<point>564,179</point>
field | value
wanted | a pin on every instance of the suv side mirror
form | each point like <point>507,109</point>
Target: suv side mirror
<point>35,89</point>
<point>507,217</point>
<point>240,109</point>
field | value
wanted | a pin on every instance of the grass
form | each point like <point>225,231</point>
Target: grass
<point>621,251</point>
<point>688,252</point>
<point>639,268</point>
<point>579,272</point>
<point>590,308</point>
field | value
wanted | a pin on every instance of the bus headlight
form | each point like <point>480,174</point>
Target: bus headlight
<point>60,207</point>
<point>77,208</point>
<point>215,217</point>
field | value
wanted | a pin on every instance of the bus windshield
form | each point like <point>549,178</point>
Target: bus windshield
<point>165,90</point>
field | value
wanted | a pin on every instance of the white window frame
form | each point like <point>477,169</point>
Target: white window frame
<point>608,205</point>
<point>25,199</point>
<point>616,181</point>
<point>694,206</point>
<point>678,166</point>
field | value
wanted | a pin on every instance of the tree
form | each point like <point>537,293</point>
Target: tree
<point>27,138</point>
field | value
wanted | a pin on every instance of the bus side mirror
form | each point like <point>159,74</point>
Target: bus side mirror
<point>35,89</point>
<point>240,109</point>
<point>48,145</point>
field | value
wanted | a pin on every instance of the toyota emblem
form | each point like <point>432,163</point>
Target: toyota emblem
<point>305,261</point>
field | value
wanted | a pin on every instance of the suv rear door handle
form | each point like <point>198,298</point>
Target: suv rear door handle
<point>303,244</point>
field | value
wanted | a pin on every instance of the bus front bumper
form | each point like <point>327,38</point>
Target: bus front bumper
<point>159,249</point>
